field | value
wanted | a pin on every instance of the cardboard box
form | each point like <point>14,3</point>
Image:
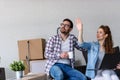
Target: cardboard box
<point>34,66</point>
<point>27,67</point>
<point>37,66</point>
<point>32,49</point>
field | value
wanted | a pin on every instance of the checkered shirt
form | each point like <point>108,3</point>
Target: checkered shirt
<point>53,50</point>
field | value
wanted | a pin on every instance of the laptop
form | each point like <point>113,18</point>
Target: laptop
<point>110,61</point>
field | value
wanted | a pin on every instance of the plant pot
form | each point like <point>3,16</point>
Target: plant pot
<point>19,74</point>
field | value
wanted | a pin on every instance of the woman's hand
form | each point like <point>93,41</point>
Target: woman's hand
<point>118,66</point>
<point>79,24</point>
<point>80,29</point>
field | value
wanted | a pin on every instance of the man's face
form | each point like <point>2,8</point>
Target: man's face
<point>65,27</point>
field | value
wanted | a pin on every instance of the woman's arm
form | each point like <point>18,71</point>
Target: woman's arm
<point>79,26</point>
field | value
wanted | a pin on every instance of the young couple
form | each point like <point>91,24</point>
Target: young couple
<point>58,46</point>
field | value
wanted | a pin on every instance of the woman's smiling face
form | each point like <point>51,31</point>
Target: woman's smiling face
<point>101,34</point>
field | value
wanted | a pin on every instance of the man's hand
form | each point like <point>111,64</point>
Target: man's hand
<point>64,55</point>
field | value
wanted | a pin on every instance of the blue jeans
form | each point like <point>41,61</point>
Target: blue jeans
<point>65,72</point>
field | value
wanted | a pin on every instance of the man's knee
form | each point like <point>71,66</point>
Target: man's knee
<point>56,73</point>
<point>58,76</point>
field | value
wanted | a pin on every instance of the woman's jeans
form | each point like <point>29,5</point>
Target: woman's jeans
<point>106,75</point>
<point>65,72</point>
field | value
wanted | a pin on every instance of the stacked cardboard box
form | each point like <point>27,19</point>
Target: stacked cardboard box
<point>37,66</point>
<point>31,49</point>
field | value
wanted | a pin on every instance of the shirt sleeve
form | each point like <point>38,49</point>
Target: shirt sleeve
<point>81,46</point>
<point>49,50</point>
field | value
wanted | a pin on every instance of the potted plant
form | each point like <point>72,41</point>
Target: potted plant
<point>18,67</point>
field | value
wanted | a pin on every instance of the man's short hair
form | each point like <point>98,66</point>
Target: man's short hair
<point>71,23</point>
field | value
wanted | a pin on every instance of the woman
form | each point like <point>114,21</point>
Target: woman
<point>96,52</point>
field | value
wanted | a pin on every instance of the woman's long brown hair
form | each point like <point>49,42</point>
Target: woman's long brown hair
<point>108,44</point>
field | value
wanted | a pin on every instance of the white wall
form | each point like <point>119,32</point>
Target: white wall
<point>26,19</point>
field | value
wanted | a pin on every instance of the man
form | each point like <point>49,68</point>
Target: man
<point>57,48</point>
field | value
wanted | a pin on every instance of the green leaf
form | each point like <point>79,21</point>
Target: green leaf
<point>17,66</point>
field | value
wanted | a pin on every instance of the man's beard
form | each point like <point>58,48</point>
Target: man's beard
<point>64,32</point>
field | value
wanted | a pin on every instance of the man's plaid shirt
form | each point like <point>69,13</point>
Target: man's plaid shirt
<point>53,50</point>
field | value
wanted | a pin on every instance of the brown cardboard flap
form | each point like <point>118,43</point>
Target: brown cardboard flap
<point>32,49</point>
